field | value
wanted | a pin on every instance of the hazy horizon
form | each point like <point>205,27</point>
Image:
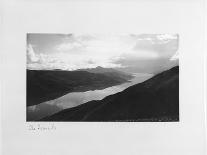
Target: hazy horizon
<point>147,53</point>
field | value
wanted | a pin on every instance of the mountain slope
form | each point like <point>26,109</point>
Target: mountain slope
<point>156,99</point>
<point>109,72</point>
<point>44,85</point>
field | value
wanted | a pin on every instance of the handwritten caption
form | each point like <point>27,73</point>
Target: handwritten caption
<point>41,127</point>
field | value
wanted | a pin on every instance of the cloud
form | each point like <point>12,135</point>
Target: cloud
<point>88,51</point>
<point>68,46</point>
<point>175,57</point>
<point>63,60</point>
<point>141,54</point>
<point>31,56</point>
<point>164,45</point>
<point>165,37</point>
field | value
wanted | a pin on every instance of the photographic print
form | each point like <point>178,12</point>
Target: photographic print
<point>102,77</point>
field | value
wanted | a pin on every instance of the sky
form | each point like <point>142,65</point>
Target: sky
<point>130,52</point>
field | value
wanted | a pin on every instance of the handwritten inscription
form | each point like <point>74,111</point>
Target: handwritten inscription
<point>41,127</point>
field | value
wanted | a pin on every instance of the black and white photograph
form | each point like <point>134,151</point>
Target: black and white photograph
<point>102,77</point>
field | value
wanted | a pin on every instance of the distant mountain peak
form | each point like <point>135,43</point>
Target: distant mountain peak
<point>99,67</point>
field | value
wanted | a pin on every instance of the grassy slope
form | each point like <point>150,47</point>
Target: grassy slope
<point>156,99</point>
<point>44,85</point>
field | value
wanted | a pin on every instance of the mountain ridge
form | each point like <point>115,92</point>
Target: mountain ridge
<point>111,72</point>
<point>45,85</point>
<point>156,99</point>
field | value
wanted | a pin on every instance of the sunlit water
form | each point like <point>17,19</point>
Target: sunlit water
<point>69,100</point>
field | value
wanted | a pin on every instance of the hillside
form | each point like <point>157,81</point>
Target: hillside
<point>156,99</point>
<point>45,85</point>
<point>109,72</point>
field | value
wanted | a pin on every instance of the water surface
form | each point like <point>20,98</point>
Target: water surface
<point>76,98</point>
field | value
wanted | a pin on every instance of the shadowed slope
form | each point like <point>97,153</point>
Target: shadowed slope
<point>156,99</point>
<point>109,72</point>
<point>45,85</point>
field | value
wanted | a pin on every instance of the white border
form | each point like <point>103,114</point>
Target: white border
<point>182,17</point>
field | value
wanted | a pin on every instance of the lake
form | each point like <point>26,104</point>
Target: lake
<point>70,100</point>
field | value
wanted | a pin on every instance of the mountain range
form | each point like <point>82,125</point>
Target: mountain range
<point>156,99</point>
<point>45,85</point>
